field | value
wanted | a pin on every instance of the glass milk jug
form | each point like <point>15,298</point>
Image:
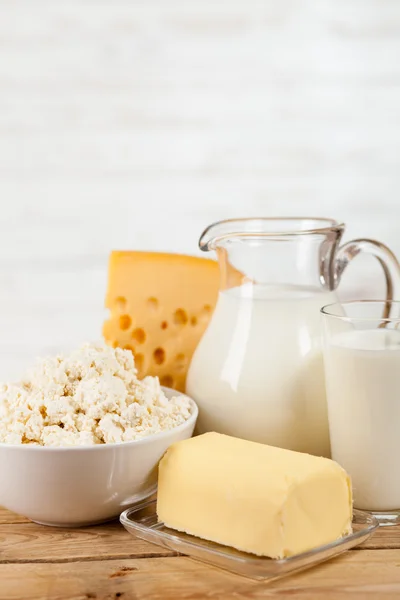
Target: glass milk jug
<point>257,373</point>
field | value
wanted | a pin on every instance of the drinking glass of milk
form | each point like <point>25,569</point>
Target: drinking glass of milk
<point>257,373</point>
<point>362,367</point>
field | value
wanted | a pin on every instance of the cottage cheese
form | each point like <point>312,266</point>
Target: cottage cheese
<point>92,396</point>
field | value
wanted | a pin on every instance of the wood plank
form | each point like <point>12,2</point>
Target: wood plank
<point>28,542</point>
<point>6,516</point>
<point>361,575</point>
<point>385,537</point>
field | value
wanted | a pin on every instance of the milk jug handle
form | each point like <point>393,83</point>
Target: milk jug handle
<point>387,259</point>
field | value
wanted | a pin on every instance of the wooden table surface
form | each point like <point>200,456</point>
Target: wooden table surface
<point>105,562</point>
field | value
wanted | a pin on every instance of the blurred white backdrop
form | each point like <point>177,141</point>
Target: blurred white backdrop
<point>135,124</point>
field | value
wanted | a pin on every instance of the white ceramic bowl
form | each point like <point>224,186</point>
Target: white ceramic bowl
<point>75,486</point>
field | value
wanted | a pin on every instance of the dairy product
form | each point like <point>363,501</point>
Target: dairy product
<point>256,498</point>
<point>92,396</point>
<point>258,371</point>
<point>363,392</point>
<point>160,305</point>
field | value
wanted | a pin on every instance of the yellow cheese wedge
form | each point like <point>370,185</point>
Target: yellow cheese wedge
<point>160,305</point>
<point>256,498</point>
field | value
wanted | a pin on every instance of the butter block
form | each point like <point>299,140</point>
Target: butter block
<point>256,498</point>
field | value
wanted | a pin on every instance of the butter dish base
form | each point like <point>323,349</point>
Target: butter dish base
<point>141,521</point>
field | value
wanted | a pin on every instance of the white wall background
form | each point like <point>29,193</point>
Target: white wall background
<point>134,124</point>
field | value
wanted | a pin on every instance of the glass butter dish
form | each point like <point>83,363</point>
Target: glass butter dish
<point>141,521</point>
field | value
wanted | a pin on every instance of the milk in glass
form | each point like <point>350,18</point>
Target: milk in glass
<point>363,389</point>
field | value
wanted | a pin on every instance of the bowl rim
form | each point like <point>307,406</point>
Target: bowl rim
<point>101,447</point>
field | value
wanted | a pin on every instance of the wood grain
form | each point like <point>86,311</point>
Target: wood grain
<point>29,542</point>
<point>359,575</point>
<point>7,516</point>
<point>384,537</point>
<point>36,562</point>
<point>117,538</point>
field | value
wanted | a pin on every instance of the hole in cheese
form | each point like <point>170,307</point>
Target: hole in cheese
<point>139,335</point>
<point>167,380</point>
<point>180,361</point>
<point>152,303</point>
<point>128,347</point>
<point>159,356</point>
<point>180,317</point>
<point>164,325</point>
<point>193,321</point>
<point>207,308</point>
<point>120,302</point>
<point>125,322</point>
<point>139,362</point>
